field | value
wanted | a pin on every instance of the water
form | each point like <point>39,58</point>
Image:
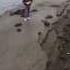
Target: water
<point>8,4</point>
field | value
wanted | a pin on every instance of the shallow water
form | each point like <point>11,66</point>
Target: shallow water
<point>8,4</point>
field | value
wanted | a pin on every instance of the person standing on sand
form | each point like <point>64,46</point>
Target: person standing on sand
<point>27,4</point>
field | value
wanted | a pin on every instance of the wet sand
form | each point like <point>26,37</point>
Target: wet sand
<point>20,50</point>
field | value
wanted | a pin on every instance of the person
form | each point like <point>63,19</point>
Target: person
<point>27,4</point>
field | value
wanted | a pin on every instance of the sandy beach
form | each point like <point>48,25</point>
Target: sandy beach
<point>19,48</point>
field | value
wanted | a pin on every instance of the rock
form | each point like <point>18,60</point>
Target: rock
<point>58,15</point>
<point>46,23</point>
<point>54,5</point>
<point>18,24</point>
<point>19,30</point>
<point>34,10</point>
<point>39,33</point>
<point>17,12</point>
<point>49,17</point>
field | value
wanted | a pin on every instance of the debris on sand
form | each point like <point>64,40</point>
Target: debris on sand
<point>34,10</point>
<point>21,12</point>
<point>18,25</point>
<point>17,12</point>
<point>54,5</point>
<point>19,30</point>
<point>39,33</point>
<point>49,17</point>
<point>46,23</point>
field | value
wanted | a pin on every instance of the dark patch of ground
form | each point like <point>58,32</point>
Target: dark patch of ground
<point>34,10</point>
<point>54,5</point>
<point>46,23</point>
<point>39,33</point>
<point>41,4</point>
<point>17,12</point>
<point>21,12</point>
<point>49,17</point>
<point>19,30</point>
<point>18,25</point>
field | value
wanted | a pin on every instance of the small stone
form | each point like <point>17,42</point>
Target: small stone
<point>39,33</point>
<point>34,10</point>
<point>46,23</point>
<point>18,24</point>
<point>55,5</point>
<point>49,17</point>
<point>19,30</point>
<point>17,12</point>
